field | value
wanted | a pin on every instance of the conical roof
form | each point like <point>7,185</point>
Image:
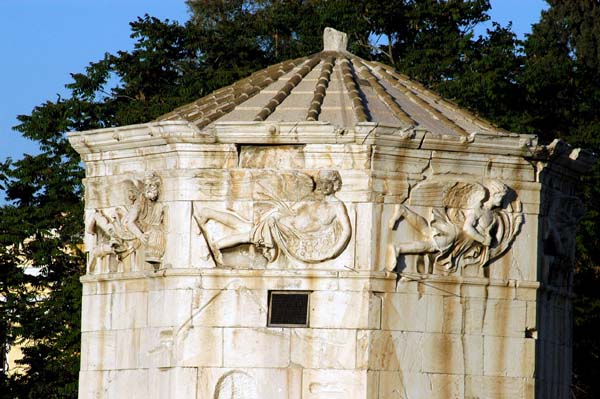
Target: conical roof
<point>332,97</point>
<point>331,87</point>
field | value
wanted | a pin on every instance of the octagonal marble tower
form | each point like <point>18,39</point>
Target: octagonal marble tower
<point>326,228</point>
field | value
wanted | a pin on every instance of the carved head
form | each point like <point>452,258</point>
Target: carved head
<point>328,182</point>
<point>497,191</point>
<point>151,186</point>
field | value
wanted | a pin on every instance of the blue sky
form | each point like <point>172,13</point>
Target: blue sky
<point>43,41</point>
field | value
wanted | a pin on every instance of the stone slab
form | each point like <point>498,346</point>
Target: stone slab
<point>337,309</point>
<point>256,347</point>
<point>407,385</point>
<point>280,383</point>
<point>169,308</point>
<point>334,384</point>
<point>323,348</point>
<point>199,347</point>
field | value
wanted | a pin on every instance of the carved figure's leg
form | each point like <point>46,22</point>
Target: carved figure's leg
<point>417,221</point>
<point>399,210</point>
<point>90,223</point>
<point>391,258</point>
<point>98,220</point>
<point>270,254</point>
<point>231,219</point>
<point>97,254</point>
<point>212,246</point>
<point>92,259</point>
<point>203,215</point>
<point>233,240</point>
<point>416,247</point>
<point>407,248</point>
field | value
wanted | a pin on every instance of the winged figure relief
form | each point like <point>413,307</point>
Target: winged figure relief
<point>470,223</point>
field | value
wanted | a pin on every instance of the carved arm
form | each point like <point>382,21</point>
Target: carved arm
<point>342,216</point>
<point>469,228</point>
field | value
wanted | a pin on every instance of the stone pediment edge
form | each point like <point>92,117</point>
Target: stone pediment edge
<point>558,152</point>
<point>289,133</point>
<point>137,136</point>
<point>476,142</point>
<point>370,133</point>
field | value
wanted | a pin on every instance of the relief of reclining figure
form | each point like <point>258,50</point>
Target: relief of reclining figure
<point>476,226</point>
<point>312,230</point>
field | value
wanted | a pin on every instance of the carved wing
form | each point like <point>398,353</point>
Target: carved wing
<point>283,186</point>
<point>428,193</point>
<point>463,195</point>
<point>508,225</point>
<point>446,194</point>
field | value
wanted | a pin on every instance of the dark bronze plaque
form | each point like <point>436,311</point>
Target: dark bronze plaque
<point>288,308</point>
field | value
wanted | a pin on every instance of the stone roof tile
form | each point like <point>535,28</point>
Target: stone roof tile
<point>334,87</point>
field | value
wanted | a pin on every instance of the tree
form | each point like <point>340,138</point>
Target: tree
<point>42,221</point>
<point>488,83</point>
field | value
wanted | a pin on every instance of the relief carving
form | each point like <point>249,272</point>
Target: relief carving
<point>470,224</point>
<point>123,231</point>
<point>312,230</point>
<point>236,385</point>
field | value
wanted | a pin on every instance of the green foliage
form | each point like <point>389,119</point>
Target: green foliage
<point>546,85</point>
<point>41,223</point>
<point>431,39</point>
<point>39,285</point>
<point>488,80</point>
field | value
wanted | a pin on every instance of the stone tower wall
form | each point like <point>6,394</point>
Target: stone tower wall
<point>169,316</point>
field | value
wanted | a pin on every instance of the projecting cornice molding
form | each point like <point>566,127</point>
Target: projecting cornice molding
<point>110,141</point>
<point>560,153</point>
<point>137,136</point>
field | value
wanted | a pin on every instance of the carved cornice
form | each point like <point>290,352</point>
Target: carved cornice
<point>281,133</point>
<point>137,136</point>
<point>155,134</point>
<point>560,153</point>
